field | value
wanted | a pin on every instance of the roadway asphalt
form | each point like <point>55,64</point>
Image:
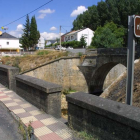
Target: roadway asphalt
<point>8,125</point>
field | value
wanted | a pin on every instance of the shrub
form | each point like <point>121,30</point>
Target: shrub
<point>42,52</point>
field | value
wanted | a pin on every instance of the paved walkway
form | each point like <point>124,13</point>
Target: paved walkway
<point>45,126</point>
<point>8,125</point>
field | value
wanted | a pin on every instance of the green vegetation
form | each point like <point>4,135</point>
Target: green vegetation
<point>30,34</point>
<point>66,92</point>
<point>85,136</point>
<point>116,11</point>
<point>80,54</point>
<point>42,52</point>
<point>26,132</point>
<point>108,36</point>
<point>34,33</point>
<point>83,42</point>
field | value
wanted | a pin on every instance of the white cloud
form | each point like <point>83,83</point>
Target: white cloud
<point>44,12</point>
<point>50,36</point>
<point>19,28</point>
<point>53,28</point>
<point>18,32</point>
<point>78,11</point>
<point>41,16</point>
<point>47,11</point>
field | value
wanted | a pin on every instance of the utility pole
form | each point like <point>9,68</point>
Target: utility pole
<point>60,37</point>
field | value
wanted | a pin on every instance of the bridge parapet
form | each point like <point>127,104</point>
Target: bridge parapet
<point>42,94</point>
<point>112,51</point>
<point>106,119</point>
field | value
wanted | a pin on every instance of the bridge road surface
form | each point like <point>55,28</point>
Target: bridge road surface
<point>8,125</point>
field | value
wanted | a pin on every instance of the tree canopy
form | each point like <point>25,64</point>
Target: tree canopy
<point>107,11</point>
<point>115,11</point>
<point>30,34</point>
<point>108,36</point>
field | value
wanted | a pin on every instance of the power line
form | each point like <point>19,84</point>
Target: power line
<point>63,28</point>
<point>28,13</point>
<point>67,26</point>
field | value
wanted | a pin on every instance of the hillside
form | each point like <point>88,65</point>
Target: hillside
<point>28,62</point>
<point>117,91</point>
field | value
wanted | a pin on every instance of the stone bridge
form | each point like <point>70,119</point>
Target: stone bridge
<point>96,66</point>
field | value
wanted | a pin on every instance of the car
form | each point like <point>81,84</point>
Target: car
<point>70,47</point>
<point>63,48</point>
<point>57,48</point>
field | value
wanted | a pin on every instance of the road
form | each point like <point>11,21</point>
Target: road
<point>8,125</point>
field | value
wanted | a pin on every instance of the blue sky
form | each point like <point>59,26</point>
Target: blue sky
<point>49,18</point>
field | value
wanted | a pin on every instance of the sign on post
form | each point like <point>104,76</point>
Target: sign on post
<point>133,31</point>
<point>137,26</point>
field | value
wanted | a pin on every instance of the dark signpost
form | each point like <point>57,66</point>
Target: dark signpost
<point>133,31</point>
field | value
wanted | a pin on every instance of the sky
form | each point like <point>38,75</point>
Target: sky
<point>49,18</point>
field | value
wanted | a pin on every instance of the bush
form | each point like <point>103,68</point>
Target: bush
<point>74,44</point>
<point>42,52</point>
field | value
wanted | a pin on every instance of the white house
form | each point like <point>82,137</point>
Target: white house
<point>41,43</point>
<point>9,43</point>
<point>51,42</point>
<point>76,35</point>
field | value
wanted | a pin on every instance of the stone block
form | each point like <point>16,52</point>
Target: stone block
<point>7,76</point>
<point>42,94</point>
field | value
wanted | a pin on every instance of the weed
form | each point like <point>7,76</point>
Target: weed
<point>42,52</point>
<point>16,63</point>
<point>26,132</point>
<point>68,91</point>
<point>80,54</point>
<point>65,92</point>
<point>7,63</point>
<point>84,135</point>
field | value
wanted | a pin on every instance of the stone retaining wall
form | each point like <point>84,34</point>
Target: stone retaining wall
<point>42,94</point>
<point>106,119</point>
<point>63,71</point>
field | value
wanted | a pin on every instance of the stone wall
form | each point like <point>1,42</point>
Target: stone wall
<point>62,71</point>
<point>65,72</point>
<point>42,94</point>
<point>7,76</point>
<point>106,119</point>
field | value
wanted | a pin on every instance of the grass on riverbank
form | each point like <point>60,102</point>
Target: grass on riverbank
<point>27,62</point>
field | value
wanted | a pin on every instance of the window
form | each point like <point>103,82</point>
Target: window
<point>72,37</point>
<point>7,43</point>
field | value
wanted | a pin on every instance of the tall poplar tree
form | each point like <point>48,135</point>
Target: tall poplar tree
<point>34,33</point>
<point>25,39</point>
<point>30,34</point>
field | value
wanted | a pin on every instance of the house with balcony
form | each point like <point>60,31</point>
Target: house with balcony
<point>76,35</point>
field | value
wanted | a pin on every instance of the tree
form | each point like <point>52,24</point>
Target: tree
<point>83,42</point>
<point>109,36</point>
<point>34,33</point>
<point>30,34</point>
<point>25,39</point>
<point>106,11</point>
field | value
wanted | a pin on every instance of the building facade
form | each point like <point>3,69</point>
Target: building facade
<point>76,35</point>
<point>41,43</point>
<point>9,43</point>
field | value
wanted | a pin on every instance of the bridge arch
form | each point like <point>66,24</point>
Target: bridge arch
<point>96,82</point>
